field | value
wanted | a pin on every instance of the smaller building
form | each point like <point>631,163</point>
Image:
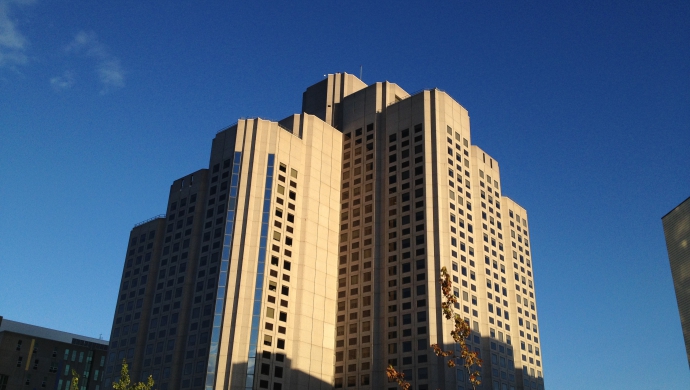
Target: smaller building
<point>37,358</point>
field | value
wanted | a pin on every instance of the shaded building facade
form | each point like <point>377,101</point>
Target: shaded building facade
<point>308,254</point>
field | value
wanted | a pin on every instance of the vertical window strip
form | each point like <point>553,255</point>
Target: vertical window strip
<point>258,292</point>
<point>223,276</point>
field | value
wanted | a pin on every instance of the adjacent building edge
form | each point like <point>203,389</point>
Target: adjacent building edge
<point>676,225</point>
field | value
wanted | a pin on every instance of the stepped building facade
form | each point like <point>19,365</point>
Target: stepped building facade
<point>307,255</point>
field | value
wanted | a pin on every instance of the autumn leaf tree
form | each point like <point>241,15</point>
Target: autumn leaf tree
<point>461,331</point>
<point>398,377</point>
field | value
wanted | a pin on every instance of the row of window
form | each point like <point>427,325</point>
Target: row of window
<point>198,333</point>
<point>278,291</point>
<point>354,295</point>
<point>487,215</point>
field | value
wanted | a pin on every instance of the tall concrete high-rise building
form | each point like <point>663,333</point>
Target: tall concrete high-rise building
<point>677,232</point>
<point>308,254</point>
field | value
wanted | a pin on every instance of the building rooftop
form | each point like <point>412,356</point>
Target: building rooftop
<point>45,333</point>
<point>674,209</point>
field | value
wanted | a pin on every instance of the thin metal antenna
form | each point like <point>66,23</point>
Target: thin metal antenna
<point>360,72</point>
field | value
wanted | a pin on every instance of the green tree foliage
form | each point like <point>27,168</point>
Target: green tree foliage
<point>75,381</point>
<point>125,383</point>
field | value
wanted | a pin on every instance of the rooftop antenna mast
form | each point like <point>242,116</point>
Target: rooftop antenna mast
<point>360,72</point>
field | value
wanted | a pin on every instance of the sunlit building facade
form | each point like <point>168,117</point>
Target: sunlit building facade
<point>307,255</point>
<point>418,196</point>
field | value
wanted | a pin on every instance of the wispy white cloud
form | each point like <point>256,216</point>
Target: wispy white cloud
<point>13,43</point>
<point>108,69</point>
<point>64,81</point>
<point>110,73</point>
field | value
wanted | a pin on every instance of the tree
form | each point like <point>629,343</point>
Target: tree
<point>125,384</point>
<point>399,377</point>
<point>75,381</point>
<point>460,333</point>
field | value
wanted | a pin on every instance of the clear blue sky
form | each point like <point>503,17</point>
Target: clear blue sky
<point>585,105</point>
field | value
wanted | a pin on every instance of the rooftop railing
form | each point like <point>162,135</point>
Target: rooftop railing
<point>150,219</point>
